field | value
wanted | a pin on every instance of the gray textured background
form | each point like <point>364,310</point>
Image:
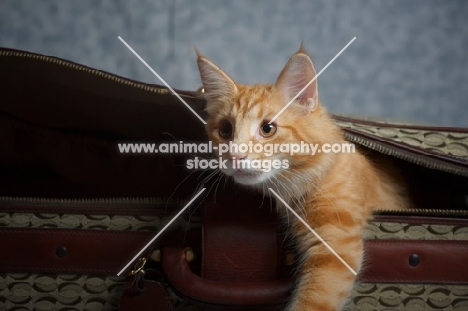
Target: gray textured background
<point>410,59</point>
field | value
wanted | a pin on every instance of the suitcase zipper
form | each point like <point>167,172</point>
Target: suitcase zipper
<point>424,212</point>
<point>110,200</point>
<point>126,202</point>
<point>407,156</point>
<point>57,61</point>
<point>98,206</point>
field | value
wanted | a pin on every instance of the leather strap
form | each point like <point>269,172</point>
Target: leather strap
<point>241,257</point>
<point>68,250</point>
<point>412,261</point>
<point>239,240</point>
<point>106,252</point>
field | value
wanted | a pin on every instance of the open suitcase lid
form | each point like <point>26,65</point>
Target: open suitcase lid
<point>441,148</point>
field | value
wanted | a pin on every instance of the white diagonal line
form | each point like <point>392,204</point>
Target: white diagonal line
<point>162,80</point>
<point>162,230</point>
<point>311,81</point>
<point>313,231</point>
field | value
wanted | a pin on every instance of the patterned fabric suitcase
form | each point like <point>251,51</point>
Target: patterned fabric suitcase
<point>74,211</point>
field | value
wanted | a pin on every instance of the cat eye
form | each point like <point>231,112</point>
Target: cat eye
<point>225,129</point>
<point>267,130</point>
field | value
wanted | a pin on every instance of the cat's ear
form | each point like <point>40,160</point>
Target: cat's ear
<point>297,73</point>
<point>216,83</point>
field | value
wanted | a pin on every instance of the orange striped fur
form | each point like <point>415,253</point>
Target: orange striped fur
<point>335,193</point>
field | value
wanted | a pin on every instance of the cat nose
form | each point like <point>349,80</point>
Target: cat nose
<point>238,156</point>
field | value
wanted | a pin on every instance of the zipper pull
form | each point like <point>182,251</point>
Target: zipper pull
<point>138,274</point>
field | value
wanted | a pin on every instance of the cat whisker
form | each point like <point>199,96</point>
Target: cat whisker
<point>296,199</point>
<point>218,182</point>
<point>178,186</point>
<point>286,211</point>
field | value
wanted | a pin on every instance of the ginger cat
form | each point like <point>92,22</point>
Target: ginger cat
<point>334,193</point>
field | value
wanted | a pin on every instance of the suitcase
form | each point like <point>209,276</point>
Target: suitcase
<point>81,224</point>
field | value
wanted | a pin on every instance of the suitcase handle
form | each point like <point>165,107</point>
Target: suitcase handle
<point>207,291</point>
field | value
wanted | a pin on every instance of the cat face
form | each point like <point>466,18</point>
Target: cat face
<point>241,115</point>
<point>241,123</point>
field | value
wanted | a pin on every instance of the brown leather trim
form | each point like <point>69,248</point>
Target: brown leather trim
<point>403,126</point>
<point>240,240</point>
<point>405,147</point>
<point>205,291</point>
<point>53,61</point>
<point>439,262</point>
<point>86,208</point>
<point>87,251</point>
<point>106,252</point>
<point>426,220</point>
